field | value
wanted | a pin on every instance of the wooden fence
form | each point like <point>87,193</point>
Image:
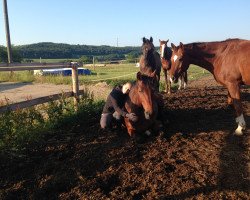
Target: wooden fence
<point>38,66</point>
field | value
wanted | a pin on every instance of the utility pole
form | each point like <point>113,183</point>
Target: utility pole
<point>7,30</point>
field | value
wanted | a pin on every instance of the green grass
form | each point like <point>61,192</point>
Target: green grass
<point>24,127</point>
<point>112,74</point>
<point>54,60</point>
<point>196,72</point>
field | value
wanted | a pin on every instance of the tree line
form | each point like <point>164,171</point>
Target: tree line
<point>61,50</point>
<point>49,50</point>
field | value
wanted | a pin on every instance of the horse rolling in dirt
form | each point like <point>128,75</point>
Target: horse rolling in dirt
<point>166,54</point>
<point>150,61</point>
<point>228,61</point>
<point>141,102</point>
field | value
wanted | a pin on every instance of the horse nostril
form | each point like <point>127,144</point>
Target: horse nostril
<point>147,115</point>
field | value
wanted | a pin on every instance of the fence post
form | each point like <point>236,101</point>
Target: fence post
<point>75,84</point>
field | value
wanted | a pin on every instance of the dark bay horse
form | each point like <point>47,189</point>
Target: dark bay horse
<point>228,61</point>
<point>166,54</point>
<point>141,101</point>
<point>150,60</point>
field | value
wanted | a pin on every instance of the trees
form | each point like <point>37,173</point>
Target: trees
<point>132,57</point>
<point>16,56</point>
<point>85,59</point>
<point>3,55</point>
<point>61,50</point>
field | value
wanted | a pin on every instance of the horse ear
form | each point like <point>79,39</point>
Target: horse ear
<point>159,40</point>
<point>144,39</point>
<point>138,75</point>
<point>167,41</point>
<point>173,47</point>
<point>181,46</point>
<point>151,39</point>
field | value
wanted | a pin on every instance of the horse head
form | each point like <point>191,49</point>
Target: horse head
<point>165,53</point>
<point>147,47</point>
<point>179,62</point>
<point>145,92</point>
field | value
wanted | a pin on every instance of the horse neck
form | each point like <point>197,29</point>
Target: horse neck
<point>201,54</point>
<point>133,96</point>
<point>167,53</point>
<point>149,60</point>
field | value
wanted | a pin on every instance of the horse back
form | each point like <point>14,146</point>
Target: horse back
<point>233,62</point>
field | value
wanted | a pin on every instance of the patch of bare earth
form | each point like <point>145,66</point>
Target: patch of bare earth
<point>199,158</point>
<point>17,92</point>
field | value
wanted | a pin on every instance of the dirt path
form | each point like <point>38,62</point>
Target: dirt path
<point>16,92</point>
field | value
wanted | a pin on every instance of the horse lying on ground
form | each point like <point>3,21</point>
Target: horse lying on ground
<point>228,61</point>
<point>166,54</point>
<point>150,61</point>
<point>141,101</point>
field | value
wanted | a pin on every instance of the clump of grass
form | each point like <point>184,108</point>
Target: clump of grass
<point>24,76</point>
<point>20,128</point>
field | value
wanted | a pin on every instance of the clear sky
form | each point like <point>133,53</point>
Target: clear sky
<point>101,22</point>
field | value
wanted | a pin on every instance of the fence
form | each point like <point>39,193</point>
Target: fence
<point>38,66</point>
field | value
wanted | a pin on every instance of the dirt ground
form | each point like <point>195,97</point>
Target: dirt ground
<point>17,92</point>
<point>198,158</point>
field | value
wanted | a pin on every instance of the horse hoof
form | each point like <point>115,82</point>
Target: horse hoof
<point>239,131</point>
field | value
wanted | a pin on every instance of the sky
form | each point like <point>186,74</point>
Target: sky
<point>125,22</point>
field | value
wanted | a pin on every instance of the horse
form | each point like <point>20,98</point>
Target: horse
<point>166,54</point>
<point>141,101</point>
<point>228,61</point>
<point>150,61</point>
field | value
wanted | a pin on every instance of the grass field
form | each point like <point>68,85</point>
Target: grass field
<point>54,60</point>
<point>112,74</point>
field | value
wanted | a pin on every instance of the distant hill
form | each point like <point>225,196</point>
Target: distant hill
<point>61,50</point>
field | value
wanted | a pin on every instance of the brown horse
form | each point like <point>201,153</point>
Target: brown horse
<point>141,101</point>
<point>228,61</point>
<point>166,54</point>
<point>150,60</point>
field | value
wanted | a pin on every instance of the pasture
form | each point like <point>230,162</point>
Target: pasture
<point>111,73</point>
<point>197,158</point>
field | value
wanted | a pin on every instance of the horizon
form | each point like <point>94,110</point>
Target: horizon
<point>120,46</point>
<point>123,24</point>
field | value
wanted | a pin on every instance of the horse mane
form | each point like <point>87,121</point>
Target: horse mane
<point>149,61</point>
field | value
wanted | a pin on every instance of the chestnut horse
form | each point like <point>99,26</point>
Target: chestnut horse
<point>141,102</point>
<point>228,61</point>
<point>166,54</point>
<point>150,61</point>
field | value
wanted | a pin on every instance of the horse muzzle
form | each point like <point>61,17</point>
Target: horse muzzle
<point>147,115</point>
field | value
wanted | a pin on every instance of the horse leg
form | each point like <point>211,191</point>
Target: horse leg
<point>166,79</point>
<point>234,91</point>
<point>180,82</point>
<point>169,84</point>
<point>185,77</point>
<point>130,128</point>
